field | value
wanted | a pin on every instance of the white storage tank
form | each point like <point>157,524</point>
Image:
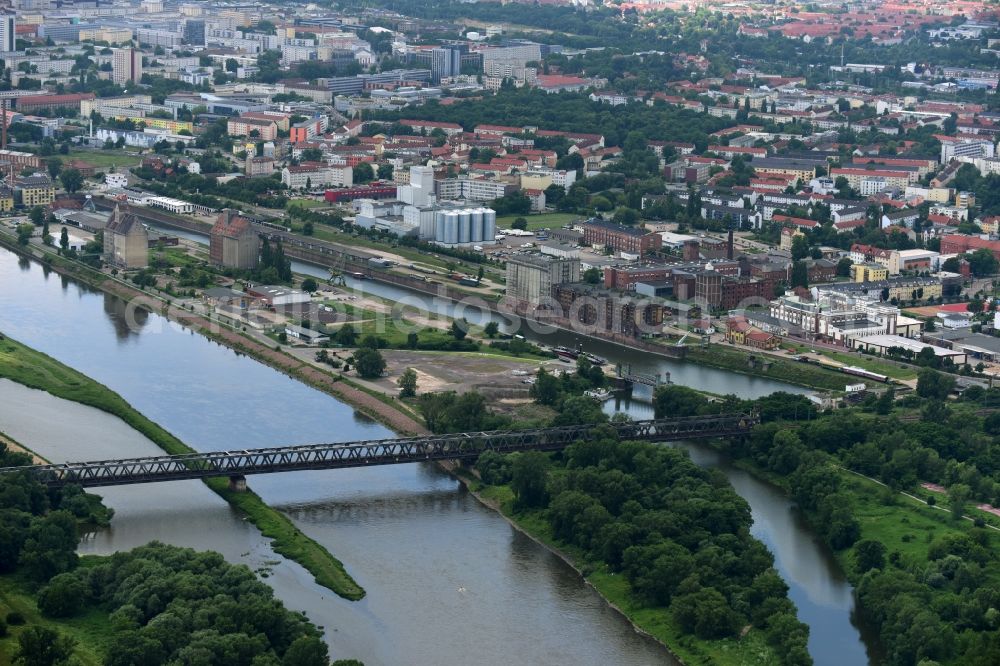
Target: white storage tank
<point>477,225</point>
<point>489,224</point>
<point>464,225</point>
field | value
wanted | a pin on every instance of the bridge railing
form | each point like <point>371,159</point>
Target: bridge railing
<point>372,452</point>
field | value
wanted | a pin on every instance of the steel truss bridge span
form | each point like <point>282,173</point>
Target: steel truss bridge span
<point>460,446</point>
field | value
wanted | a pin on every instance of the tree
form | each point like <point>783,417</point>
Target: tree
<point>232,65</point>
<point>958,495</point>
<point>800,247</point>
<point>491,329</point>
<point>346,336</point>
<point>308,229</point>
<point>37,215</point>
<point>705,613</point>
<point>593,275</point>
<point>458,330</point>
<point>982,262</point>
<point>519,223</point>
<point>529,474</point>
<point>41,646</point>
<point>46,237</point>
<point>64,596</point>
<point>64,240</point>
<point>934,385</point>
<point>54,165</point>
<point>369,363</point>
<point>545,390</point>
<point>844,267</point>
<point>309,284</point>
<point>800,274</point>
<point>407,383</point>
<point>50,547</point>
<point>869,554</point>
<point>363,173</point>
<point>306,651</point>
<point>71,179</point>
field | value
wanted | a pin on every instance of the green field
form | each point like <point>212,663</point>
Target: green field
<point>103,159</point>
<point>305,203</point>
<point>540,221</point>
<point>36,370</point>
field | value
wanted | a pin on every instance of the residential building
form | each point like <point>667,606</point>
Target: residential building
<point>34,190</point>
<point>234,243</point>
<point>307,176</point>
<point>868,272</point>
<point>6,199</point>
<point>126,66</point>
<point>8,33</point>
<point>126,241</point>
<point>532,277</point>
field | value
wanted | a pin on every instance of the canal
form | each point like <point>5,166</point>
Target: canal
<point>447,579</point>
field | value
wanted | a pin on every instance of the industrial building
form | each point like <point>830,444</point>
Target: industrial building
<point>126,241</point>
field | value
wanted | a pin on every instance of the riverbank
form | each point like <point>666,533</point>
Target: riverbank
<point>750,649</point>
<point>31,368</point>
<point>777,368</point>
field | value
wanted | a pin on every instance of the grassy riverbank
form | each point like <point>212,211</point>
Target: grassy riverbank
<point>36,370</point>
<point>780,369</point>
<point>749,650</point>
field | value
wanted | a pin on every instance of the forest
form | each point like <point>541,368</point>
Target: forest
<point>932,597</point>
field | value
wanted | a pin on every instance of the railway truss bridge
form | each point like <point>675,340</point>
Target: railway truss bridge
<point>237,464</point>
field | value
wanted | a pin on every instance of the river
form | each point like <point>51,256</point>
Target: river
<point>448,581</point>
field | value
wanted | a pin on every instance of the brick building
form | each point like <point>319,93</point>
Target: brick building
<point>608,311</point>
<point>621,238</point>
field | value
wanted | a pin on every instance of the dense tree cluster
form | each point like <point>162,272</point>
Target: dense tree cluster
<point>677,532</point>
<point>175,605</point>
<point>38,526</point>
<point>575,112</point>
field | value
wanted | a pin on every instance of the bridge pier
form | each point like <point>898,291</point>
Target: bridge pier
<point>238,483</point>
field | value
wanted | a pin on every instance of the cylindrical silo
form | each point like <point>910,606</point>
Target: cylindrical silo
<point>464,225</point>
<point>439,223</point>
<point>477,225</point>
<point>489,224</point>
<point>451,228</point>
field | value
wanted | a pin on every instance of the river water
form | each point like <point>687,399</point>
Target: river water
<point>448,581</point>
